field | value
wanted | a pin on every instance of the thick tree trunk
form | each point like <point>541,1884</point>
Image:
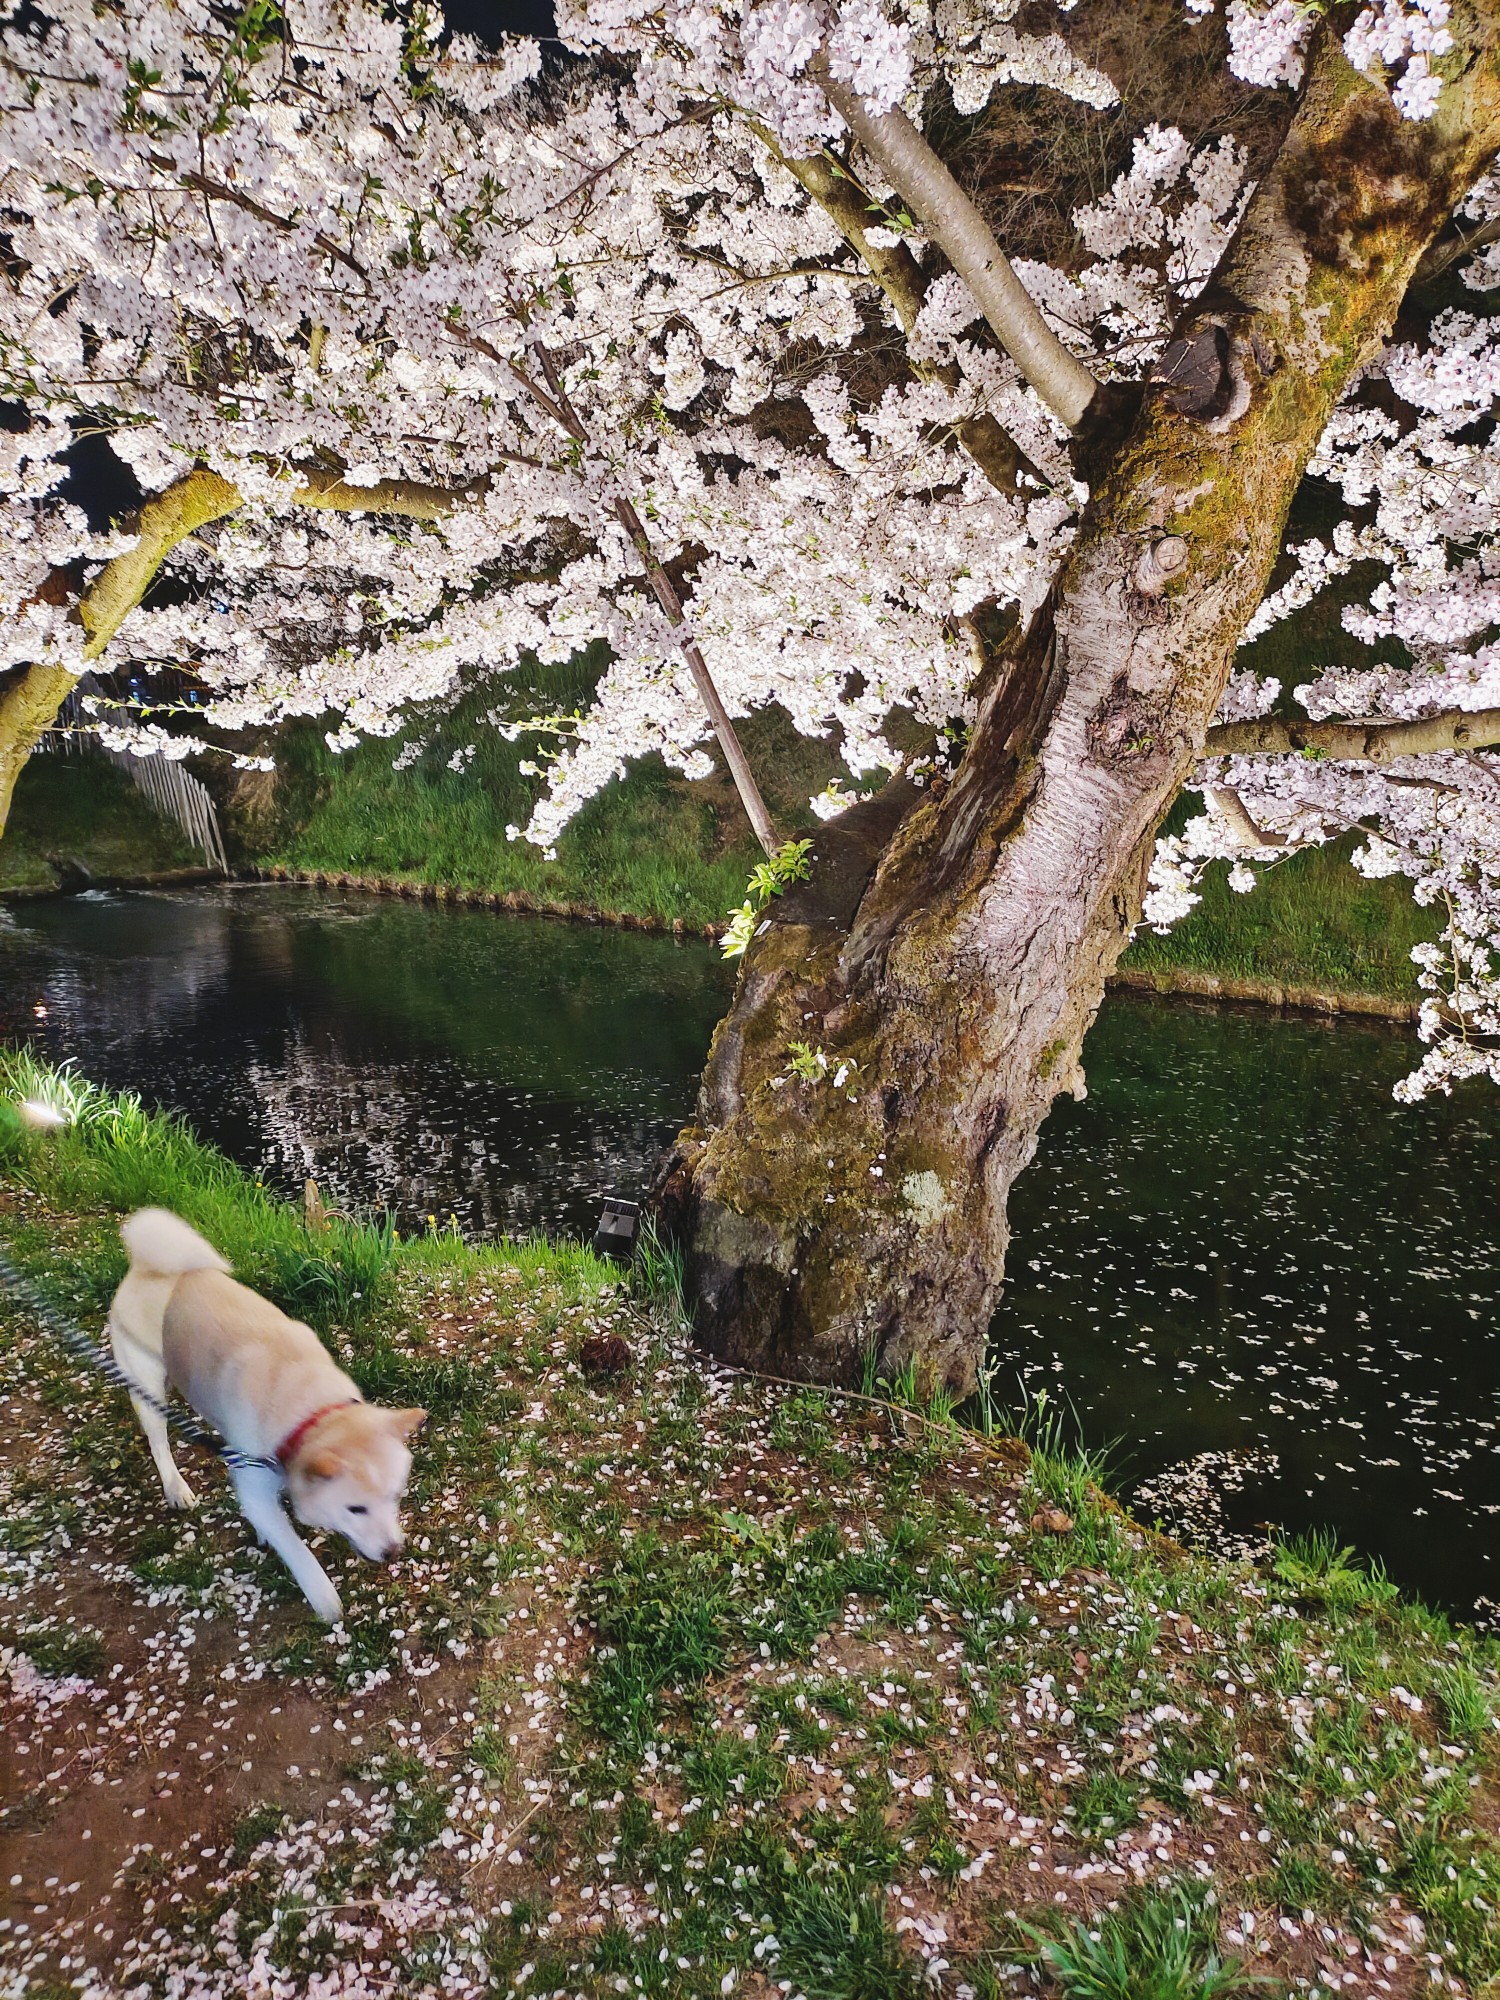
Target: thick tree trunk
<point>31,697</point>
<point>29,701</point>
<point>954,949</point>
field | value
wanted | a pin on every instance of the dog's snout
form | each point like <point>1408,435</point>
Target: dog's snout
<point>391,1550</point>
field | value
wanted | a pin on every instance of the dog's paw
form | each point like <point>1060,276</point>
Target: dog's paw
<point>326,1603</point>
<point>180,1494</point>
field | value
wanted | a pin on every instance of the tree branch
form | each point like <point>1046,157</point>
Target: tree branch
<point>200,497</point>
<point>1447,250</point>
<point>756,810</point>
<point>166,519</point>
<point>30,701</point>
<point>1233,809</point>
<point>1369,741</point>
<point>412,498</point>
<point>899,276</point>
<point>217,190</point>
<point>935,197</point>
<point>895,270</point>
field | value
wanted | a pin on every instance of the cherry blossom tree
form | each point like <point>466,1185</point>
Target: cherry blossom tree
<point>430,357</point>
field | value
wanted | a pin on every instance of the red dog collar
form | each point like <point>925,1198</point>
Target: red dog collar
<point>287,1450</point>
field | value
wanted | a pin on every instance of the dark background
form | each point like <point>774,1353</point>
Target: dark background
<point>489,19</point>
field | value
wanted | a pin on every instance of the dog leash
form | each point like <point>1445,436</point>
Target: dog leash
<point>77,1342</point>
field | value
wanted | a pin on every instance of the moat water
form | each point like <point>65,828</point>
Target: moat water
<point>1238,1245</point>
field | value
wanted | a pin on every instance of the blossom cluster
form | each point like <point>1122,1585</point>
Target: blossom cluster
<point>576,332</point>
<point>1411,451</point>
<point>762,54</point>
<point>1404,36</point>
<point>1153,240</point>
<point>247,272</point>
<point>1394,39</point>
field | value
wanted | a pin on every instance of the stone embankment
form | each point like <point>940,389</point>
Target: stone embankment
<point>481,899</point>
<point>1186,981</point>
<point>73,878</point>
<point>1177,981</point>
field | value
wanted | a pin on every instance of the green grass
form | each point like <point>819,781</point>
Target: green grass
<point>1159,1944</point>
<point>59,1647</point>
<point>655,846</point>
<point>80,808</point>
<point>1315,1566</point>
<point>837,1942</point>
<point>651,845</point>
<point>110,1155</point>
<point>1311,922</point>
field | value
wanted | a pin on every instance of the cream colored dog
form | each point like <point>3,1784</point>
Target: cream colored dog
<point>269,1387</point>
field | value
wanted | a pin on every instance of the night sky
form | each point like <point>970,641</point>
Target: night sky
<point>489,19</point>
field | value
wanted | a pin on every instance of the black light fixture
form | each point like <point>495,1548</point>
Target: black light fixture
<point>619,1226</point>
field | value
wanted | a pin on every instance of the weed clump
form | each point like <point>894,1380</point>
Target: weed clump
<point>1159,1944</point>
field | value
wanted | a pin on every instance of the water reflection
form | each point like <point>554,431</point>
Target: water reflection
<point>434,1061</point>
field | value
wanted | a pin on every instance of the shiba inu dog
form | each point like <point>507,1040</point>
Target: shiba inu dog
<point>270,1388</point>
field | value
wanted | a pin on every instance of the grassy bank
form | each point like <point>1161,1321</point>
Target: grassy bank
<point>652,845</point>
<point>688,1684</point>
<point>1311,921</point>
<point>661,849</point>
<point>80,809</point>
<point>655,846</point>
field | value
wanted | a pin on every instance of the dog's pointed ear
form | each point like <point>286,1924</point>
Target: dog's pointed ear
<point>323,1464</point>
<point>404,1422</point>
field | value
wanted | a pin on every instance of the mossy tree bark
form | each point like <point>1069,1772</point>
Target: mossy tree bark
<point>956,947</point>
<point>29,701</point>
<point>31,697</point>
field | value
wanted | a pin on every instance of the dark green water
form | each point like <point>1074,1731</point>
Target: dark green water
<point>435,1062</point>
<point>1241,1241</point>
<point>1238,1243</point>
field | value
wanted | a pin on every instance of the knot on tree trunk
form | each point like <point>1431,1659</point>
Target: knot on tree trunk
<point>1127,728</point>
<point>1194,373</point>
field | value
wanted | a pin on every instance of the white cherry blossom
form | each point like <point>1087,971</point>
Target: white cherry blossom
<point>503,308</point>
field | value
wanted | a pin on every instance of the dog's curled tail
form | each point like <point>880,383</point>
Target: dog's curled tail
<point>160,1242</point>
